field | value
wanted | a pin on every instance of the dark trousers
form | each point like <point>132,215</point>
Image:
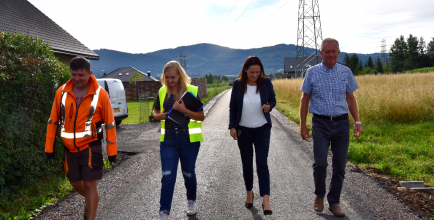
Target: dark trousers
<point>177,147</point>
<point>334,134</point>
<point>260,138</point>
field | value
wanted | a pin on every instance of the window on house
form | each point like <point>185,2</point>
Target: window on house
<point>120,74</point>
<point>127,74</point>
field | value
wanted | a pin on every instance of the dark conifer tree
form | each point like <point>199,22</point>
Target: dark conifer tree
<point>398,53</point>
<point>412,55</point>
<point>379,66</point>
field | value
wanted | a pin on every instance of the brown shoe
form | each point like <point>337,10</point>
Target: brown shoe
<point>318,204</point>
<point>336,210</point>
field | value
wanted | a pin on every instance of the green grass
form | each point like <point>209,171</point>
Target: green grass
<point>210,92</point>
<point>421,70</point>
<point>223,84</point>
<point>134,106</point>
<point>23,202</point>
<point>292,112</point>
<point>134,111</point>
<point>404,151</point>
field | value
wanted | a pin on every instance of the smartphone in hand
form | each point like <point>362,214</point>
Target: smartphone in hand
<point>238,132</point>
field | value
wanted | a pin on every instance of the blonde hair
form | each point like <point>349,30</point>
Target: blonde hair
<point>329,40</point>
<point>184,80</point>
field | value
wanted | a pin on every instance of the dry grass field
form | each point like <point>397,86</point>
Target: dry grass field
<point>397,112</point>
<point>403,98</point>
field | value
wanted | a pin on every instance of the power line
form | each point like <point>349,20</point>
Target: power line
<point>243,11</point>
<point>192,66</point>
<point>230,12</point>
<point>220,25</point>
<point>276,11</point>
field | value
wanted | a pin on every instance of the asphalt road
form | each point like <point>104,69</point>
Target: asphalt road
<point>132,189</point>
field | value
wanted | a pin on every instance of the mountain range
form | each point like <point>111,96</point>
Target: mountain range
<point>202,58</point>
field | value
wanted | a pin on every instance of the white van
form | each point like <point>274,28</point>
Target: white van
<point>116,91</point>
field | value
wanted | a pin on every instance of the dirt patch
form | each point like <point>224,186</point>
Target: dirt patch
<point>421,202</point>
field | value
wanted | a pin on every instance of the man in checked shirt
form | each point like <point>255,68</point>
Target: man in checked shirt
<point>329,87</point>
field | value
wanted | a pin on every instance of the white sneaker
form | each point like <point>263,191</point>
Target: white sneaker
<point>191,207</point>
<point>163,216</point>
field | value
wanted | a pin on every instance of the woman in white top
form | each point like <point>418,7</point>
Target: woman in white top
<point>252,100</point>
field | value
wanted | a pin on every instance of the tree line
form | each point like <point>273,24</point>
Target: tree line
<point>358,68</point>
<point>405,54</point>
<point>212,79</point>
<point>411,53</point>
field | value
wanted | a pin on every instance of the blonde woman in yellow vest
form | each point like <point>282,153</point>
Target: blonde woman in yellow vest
<point>177,143</point>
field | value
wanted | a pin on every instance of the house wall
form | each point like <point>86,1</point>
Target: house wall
<point>150,89</point>
<point>64,59</point>
<point>201,83</point>
<point>147,90</point>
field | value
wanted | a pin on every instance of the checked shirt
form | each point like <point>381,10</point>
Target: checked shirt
<point>327,89</point>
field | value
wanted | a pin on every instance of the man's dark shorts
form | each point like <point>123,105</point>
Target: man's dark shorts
<point>84,165</point>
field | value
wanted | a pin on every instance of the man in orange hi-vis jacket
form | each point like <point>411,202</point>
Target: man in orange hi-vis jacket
<point>80,107</point>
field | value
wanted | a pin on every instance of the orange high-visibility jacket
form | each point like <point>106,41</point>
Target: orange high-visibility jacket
<point>80,126</point>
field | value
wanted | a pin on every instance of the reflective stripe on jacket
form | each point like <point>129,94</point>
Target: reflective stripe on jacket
<point>194,127</point>
<point>80,124</point>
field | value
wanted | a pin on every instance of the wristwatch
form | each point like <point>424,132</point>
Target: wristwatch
<point>186,115</point>
<point>358,123</point>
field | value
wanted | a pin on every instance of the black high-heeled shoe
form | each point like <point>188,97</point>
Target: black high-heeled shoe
<point>266,212</point>
<point>250,205</point>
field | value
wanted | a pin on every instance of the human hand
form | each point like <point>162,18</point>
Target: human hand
<point>180,107</point>
<point>357,130</point>
<point>266,108</point>
<point>304,132</point>
<point>163,115</point>
<point>233,133</point>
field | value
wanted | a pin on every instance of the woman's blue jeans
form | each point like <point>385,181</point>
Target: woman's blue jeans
<point>177,146</point>
<point>260,139</point>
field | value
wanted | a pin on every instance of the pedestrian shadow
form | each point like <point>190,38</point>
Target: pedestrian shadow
<point>330,216</point>
<point>255,213</point>
<point>193,217</point>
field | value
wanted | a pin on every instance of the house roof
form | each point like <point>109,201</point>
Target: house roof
<point>21,16</point>
<point>124,74</point>
<point>290,63</point>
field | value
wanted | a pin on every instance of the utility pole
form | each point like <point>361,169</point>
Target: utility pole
<point>182,59</point>
<point>309,35</point>
<point>383,52</point>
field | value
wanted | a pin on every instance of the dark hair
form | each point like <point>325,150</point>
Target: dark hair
<point>250,61</point>
<point>79,63</point>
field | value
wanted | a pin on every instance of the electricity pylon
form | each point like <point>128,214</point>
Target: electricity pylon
<point>309,35</point>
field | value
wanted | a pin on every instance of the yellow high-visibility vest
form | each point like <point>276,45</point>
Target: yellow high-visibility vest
<point>194,127</point>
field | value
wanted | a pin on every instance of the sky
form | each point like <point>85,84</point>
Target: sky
<point>143,26</point>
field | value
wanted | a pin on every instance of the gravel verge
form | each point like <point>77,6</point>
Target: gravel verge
<point>372,195</point>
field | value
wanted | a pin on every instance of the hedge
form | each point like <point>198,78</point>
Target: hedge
<point>29,77</point>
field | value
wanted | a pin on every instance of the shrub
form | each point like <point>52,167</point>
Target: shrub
<point>29,77</point>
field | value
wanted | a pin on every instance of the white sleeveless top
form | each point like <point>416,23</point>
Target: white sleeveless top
<point>252,115</point>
